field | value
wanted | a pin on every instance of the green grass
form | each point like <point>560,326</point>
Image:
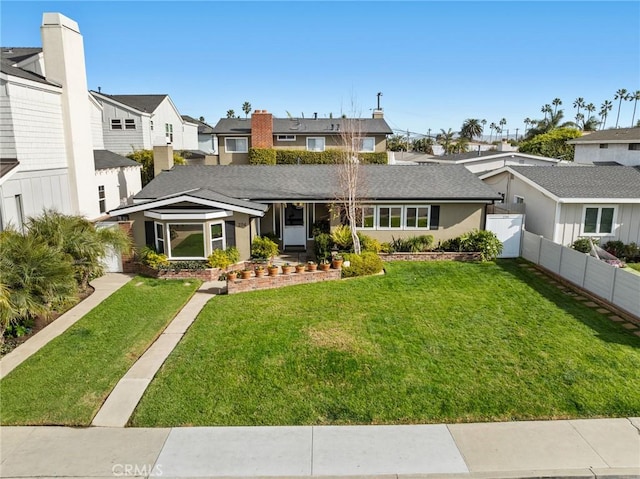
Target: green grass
<point>427,342</point>
<point>635,266</point>
<point>67,381</point>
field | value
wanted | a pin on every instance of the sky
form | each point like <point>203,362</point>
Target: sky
<point>436,63</point>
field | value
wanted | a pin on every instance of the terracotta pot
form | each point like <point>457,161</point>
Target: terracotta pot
<point>259,273</point>
<point>273,271</point>
<point>232,275</point>
<point>245,274</point>
<point>324,266</point>
<point>312,267</point>
<point>286,269</point>
<point>337,263</point>
<point>300,268</point>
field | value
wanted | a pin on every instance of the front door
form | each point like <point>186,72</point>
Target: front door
<point>294,225</point>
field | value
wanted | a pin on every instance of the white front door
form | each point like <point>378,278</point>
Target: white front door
<point>295,233</point>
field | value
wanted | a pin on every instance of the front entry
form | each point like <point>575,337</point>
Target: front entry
<point>294,226</point>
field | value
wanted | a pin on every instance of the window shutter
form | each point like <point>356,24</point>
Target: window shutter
<point>230,233</point>
<point>149,234</point>
<point>434,221</point>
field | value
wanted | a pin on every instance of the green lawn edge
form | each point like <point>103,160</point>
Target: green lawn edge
<point>67,381</point>
<point>425,343</point>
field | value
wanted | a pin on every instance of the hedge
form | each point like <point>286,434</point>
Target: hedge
<point>270,156</point>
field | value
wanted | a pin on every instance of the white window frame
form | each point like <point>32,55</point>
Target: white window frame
<point>634,146</point>
<point>388,228</point>
<point>518,199</point>
<point>375,217</point>
<point>286,137</point>
<point>102,199</point>
<point>316,138</point>
<point>235,138</point>
<point>212,239</point>
<point>406,216</point>
<point>311,219</point>
<point>168,132</point>
<point>129,124</point>
<point>598,220</point>
<point>116,124</point>
<point>169,250</point>
<point>360,143</point>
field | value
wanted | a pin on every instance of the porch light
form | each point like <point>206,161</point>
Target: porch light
<point>298,204</point>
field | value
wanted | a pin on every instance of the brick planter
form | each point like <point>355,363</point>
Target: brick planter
<point>272,282</point>
<point>208,274</point>
<point>430,256</point>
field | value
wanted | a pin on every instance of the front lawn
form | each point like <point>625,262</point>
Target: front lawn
<point>67,381</point>
<point>427,342</point>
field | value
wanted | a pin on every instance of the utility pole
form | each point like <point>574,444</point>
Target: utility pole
<point>517,133</point>
<point>379,95</point>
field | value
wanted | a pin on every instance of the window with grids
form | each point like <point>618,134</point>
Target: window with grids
<point>217,236</point>
<point>390,217</point>
<point>129,124</point>
<point>116,124</point>
<point>102,199</point>
<point>417,217</point>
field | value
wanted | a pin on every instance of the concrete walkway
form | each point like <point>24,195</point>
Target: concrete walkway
<point>117,409</point>
<point>577,448</point>
<point>103,288</point>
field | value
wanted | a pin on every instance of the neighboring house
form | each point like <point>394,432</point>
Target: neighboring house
<point>189,211</point>
<point>140,122</point>
<point>206,136</point>
<point>621,145</point>
<point>565,203</point>
<point>236,135</point>
<point>48,133</point>
<point>481,161</point>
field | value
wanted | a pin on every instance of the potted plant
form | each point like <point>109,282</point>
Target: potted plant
<point>286,268</point>
<point>311,266</point>
<point>245,273</point>
<point>300,268</point>
<point>272,270</point>
<point>259,271</point>
<point>336,261</point>
<point>324,265</point>
<point>232,275</point>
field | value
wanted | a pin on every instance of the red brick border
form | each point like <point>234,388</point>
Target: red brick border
<point>431,256</point>
<point>272,282</point>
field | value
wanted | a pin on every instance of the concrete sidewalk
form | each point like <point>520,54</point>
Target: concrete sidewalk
<point>117,409</point>
<point>577,448</point>
<point>103,287</point>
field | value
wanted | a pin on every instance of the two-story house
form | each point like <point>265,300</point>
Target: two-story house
<point>140,122</point>
<point>618,145</point>
<point>236,135</point>
<point>52,155</point>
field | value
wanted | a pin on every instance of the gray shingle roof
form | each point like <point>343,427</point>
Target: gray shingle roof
<point>585,181</point>
<point>144,103</point>
<point>203,128</point>
<point>619,135</point>
<point>320,182</point>
<point>7,165</point>
<point>302,126</point>
<point>12,55</point>
<point>105,159</point>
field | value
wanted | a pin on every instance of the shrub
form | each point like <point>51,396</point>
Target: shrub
<point>341,237</point>
<point>379,158</point>
<point>582,244</point>
<point>363,264</point>
<point>152,259</point>
<point>412,244</point>
<point>632,252</point>
<point>482,241</point>
<point>263,248</point>
<point>322,246</point>
<point>262,156</point>
<point>616,248</point>
<point>367,243</point>
<point>189,265</point>
<point>293,157</point>
<point>223,258</point>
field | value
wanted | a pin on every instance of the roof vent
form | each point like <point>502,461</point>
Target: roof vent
<point>332,126</point>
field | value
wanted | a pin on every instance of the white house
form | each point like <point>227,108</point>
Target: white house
<point>564,203</point>
<point>621,145</point>
<point>49,132</point>
<point>140,122</point>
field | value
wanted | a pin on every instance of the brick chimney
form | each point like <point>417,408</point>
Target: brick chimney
<point>261,129</point>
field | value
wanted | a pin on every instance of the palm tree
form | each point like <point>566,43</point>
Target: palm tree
<point>635,96</point>
<point>484,122</point>
<point>590,120</point>
<point>492,127</point>
<point>579,103</point>
<point>246,108</point>
<point>445,139</point>
<point>546,109</point>
<point>553,122</point>
<point>527,122</point>
<point>470,128</point>
<point>621,94</point>
<point>605,108</point>
<point>556,102</point>
<point>461,145</point>
<point>503,122</point>
<point>231,114</point>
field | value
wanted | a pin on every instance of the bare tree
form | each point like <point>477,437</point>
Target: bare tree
<point>350,175</point>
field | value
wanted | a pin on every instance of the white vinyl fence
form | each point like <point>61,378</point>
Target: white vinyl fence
<point>615,285</point>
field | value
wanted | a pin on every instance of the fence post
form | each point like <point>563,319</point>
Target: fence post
<point>539,248</point>
<point>613,285</point>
